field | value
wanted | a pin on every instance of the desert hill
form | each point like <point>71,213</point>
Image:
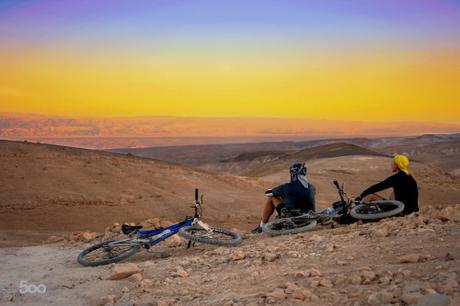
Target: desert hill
<point>256,163</point>
<point>51,188</point>
<point>324,151</point>
<point>445,155</point>
<point>222,157</point>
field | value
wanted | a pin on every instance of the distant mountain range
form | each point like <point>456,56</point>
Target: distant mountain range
<point>105,133</point>
<point>439,150</point>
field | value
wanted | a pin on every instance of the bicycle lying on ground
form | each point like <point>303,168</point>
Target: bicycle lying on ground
<point>192,229</point>
<point>295,221</point>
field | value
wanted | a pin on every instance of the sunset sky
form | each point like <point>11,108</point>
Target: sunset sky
<point>355,60</point>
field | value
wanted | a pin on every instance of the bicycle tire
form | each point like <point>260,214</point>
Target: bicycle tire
<point>84,262</point>
<point>188,232</point>
<point>399,207</point>
<point>270,227</point>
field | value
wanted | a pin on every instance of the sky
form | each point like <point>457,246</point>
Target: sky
<point>375,60</point>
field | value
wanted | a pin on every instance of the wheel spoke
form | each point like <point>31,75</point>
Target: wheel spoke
<point>202,233</point>
<point>108,252</point>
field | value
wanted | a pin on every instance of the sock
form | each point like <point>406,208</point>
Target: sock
<point>262,223</point>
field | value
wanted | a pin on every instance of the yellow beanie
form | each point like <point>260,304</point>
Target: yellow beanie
<point>402,161</point>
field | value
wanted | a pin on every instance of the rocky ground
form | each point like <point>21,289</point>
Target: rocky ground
<point>399,261</point>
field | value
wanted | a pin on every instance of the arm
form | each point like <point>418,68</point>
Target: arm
<point>275,192</point>
<point>388,183</point>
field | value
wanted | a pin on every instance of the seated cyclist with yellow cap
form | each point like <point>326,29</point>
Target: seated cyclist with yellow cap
<point>403,184</point>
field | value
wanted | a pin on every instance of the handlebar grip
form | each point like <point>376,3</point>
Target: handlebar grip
<point>336,184</point>
<point>196,194</point>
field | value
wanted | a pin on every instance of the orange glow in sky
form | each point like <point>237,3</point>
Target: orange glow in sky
<point>352,69</point>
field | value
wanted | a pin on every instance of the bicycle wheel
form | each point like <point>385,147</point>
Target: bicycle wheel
<point>383,209</point>
<point>107,252</point>
<point>217,236</point>
<point>285,226</point>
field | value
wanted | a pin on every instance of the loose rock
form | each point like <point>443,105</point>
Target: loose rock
<point>238,255</point>
<point>411,258</point>
<point>121,271</point>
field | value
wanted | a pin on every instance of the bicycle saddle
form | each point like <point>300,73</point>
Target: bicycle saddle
<point>127,229</point>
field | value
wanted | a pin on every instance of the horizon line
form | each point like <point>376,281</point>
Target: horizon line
<point>374,120</point>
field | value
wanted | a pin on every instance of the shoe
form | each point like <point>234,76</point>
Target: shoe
<point>257,230</point>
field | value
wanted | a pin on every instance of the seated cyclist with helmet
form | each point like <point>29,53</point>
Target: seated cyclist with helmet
<point>298,194</point>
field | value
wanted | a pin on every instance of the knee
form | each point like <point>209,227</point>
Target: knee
<point>277,201</point>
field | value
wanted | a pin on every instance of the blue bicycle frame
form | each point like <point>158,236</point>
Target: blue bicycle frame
<point>162,233</point>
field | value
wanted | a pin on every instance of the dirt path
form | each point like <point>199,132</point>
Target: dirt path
<point>350,265</point>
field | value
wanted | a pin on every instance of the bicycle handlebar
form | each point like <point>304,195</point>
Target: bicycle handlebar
<point>336,184</point>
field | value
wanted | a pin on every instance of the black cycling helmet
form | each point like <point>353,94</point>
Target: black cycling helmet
<point>298,169</point>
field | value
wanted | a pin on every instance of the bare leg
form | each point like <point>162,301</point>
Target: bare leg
<point>373,197</point>
<point>269,208</point>
<point>392,195</point>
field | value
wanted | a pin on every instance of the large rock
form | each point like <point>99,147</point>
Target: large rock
<point>125,270</point>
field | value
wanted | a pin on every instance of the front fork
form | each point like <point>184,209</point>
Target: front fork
<point>200,223</point>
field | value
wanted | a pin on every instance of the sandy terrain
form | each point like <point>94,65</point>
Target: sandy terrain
<point>396,262</point>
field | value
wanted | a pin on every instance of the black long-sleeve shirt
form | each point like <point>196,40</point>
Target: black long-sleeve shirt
<point>405,190</point>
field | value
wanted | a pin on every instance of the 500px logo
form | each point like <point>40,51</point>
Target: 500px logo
<point>25,287</point>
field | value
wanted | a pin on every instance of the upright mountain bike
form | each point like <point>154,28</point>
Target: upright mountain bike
<point>346,210</point>
<point>192,229</point>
